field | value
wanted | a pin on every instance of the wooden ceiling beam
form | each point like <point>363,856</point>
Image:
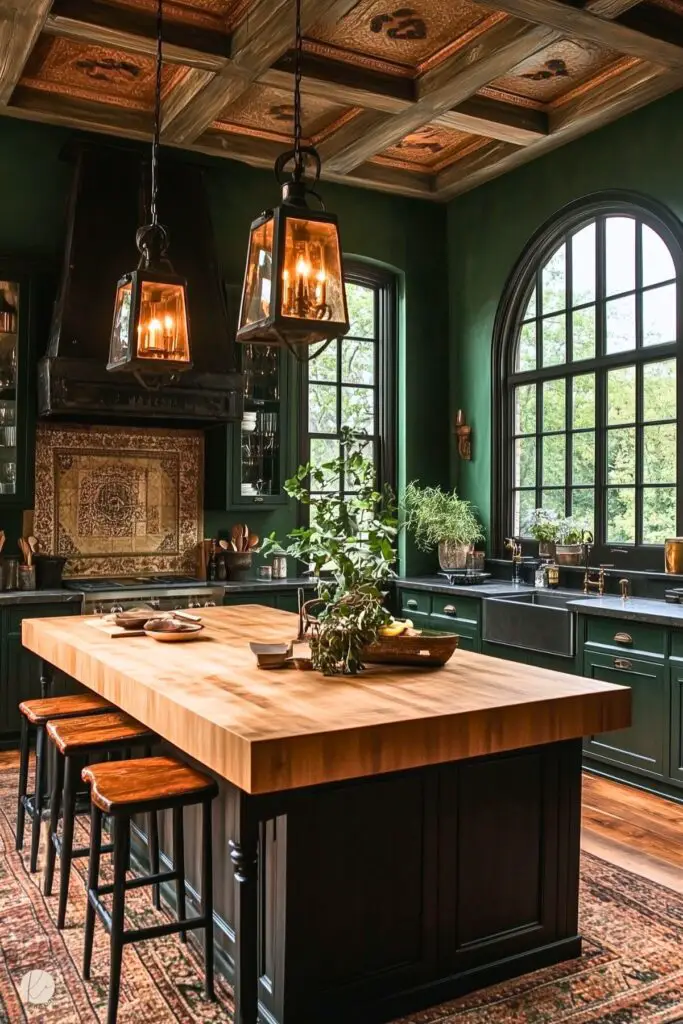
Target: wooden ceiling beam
<point>505,122</point>
<point>21,22</point>
<point>257,42</point>
<point>638,85</point>
<point>134,31</point>
<point>85,115</point>
<point>583,23</point>
<point>455,80</point>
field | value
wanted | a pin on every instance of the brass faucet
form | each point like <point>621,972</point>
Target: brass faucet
<point>598,583</point>
<point>625,587</point>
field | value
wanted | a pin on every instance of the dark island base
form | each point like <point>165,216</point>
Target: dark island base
<point>383,896</point>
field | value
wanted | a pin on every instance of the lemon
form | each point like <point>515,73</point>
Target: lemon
<point>394,628</point>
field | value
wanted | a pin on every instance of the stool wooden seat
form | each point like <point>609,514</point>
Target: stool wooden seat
<point>76,740</point>
<point>35,714</point>
<point>122,789</point>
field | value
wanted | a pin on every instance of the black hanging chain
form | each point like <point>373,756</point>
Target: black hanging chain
<point>298,158</point>
<point>157,115</point>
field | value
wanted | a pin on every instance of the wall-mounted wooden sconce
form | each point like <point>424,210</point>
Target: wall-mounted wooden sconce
<point>464,436</point>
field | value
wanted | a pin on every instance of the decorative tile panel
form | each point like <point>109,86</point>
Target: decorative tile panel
<point>219,15</point>
<point>269,113</point>
<point>119,501</point>
<point>429,149</point>
<point>551,72</point>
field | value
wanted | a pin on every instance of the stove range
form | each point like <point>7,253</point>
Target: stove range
<point>466,577</point>
<point>163,593</point>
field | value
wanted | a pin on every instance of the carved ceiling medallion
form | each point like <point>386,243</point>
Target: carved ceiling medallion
<point>429,149</point>
<point>555,70</point>
<point>219,15</point>
<point>270,113</point>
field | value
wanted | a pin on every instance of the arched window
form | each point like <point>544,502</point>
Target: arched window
<point>587,378</point>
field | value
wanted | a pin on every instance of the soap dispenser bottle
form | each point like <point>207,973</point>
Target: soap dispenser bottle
<point>540,576</point>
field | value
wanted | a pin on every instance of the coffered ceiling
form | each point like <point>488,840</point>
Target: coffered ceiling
<point>429,98</point>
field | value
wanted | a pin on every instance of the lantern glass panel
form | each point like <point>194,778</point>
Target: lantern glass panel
<point>162,324</point>
<point>120,334</point>
<point>312,285</point>
<point>257,285</point>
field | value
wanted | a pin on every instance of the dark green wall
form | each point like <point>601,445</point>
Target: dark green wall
<point>407,235</point>
<point>489,227</point>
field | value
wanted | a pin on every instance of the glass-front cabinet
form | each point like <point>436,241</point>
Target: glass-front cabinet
<point>15,363</point>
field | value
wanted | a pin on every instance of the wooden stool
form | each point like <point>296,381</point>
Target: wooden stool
<point>122,789</point>
<point>75,741</point>
<point>36,714</point>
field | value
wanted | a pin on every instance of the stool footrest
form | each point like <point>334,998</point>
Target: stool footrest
<point>137,883</point>
<point>79,851</point>
<point>155,931</point>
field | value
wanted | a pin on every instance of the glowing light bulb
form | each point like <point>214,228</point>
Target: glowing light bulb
<point>303,269</point>
<point>154,329</point>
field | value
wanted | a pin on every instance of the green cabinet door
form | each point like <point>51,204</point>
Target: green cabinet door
<point>469,637</point>
<point>248,597</point>
<point>643,746</point>
<point>676,749</point>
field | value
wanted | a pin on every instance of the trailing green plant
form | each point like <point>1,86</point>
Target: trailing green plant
<point>543,525</point>
<point>349,545</point>
<point>435,516</point>
<point>571,530</point>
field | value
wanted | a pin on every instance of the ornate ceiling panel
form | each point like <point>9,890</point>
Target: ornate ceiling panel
<point>91,72</point>
<point>398,39</point>
<point>428,149</point>
<point>212,14</point>
<point>269,113</point>
<point>552,72</point>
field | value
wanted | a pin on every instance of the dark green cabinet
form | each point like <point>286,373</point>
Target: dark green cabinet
<point>644,745</point>
<point>449,613</point>
<point>18,286</point>
<point>285,600</point>
<point>676,732</point>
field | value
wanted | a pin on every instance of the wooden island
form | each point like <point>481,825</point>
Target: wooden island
<point>398,838</point>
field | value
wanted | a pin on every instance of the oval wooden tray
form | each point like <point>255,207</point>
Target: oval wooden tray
<point>412,648</point>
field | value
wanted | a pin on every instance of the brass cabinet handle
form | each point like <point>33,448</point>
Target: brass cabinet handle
<point>411,603</point>
<point>623,638</point>
<point>450,609</point>
<point>622,663</point>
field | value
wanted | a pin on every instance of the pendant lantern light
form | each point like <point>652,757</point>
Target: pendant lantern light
<point>293,294</point>
<point>150,335</point>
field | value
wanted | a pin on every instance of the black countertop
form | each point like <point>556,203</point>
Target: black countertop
<point>437,584</point>
<point>39,596</point>
<point>250,586</point>
<point>641,609</point>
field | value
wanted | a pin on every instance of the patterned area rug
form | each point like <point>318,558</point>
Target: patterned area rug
<point>631,970</point>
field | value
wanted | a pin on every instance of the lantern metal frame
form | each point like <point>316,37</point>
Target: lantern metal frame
<point>154,268</point>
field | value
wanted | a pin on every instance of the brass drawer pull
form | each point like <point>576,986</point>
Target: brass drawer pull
<point>450,609</point>
<point>623,638</point>
<point>622,663</point>
<point>412,604</point>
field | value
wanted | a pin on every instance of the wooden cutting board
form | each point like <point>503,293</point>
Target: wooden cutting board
<point>108,626</point>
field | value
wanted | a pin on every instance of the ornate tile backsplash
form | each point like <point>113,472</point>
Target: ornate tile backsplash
<point>118,501</point>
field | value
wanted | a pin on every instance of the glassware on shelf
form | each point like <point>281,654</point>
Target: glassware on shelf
<point>8,477</point>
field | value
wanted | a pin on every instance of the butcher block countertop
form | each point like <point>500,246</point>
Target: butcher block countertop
<point>277,730</point>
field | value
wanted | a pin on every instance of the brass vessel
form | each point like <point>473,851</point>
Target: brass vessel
<point>673,555</point>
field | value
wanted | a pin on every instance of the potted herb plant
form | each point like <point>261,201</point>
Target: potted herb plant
<point>350,547</point>
<point>544,526</point>
<point>440,519</point>
<point>570,538</point>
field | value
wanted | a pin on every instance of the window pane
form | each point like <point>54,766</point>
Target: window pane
<point>526,348</point>
<point>583,458</point>
<point>621,515</point>
<point>659,390</point>
<point>583,265</point>
<point>358,409</point>
<point>358,362</point>
<point>322,409</point>
<point>620,331</point>
<point>621,395</point>
<point>657,262</point>
<point>525,461</point>
<point>659,454</point>
<point>530,312</point>
<point>554,501</point>
<point>323,450</point>
<point>583,400</point>
<point>620,254</point>
<point>659,315</point>
<point>525,409</point>
<point>554,331</point>
<point>583,333</point>
<point>554,448</point>
<point>621,456</point>
<point>324,367</point>
<point>659,514</point>
<point>361,303</point>
<point>554,281</point>
<point>525,503</point>
<point>583,506</point>
<point>554,405</point>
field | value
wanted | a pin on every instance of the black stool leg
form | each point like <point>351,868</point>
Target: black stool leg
<point>153,841</point>
<point>121,843</point>
<point>55,805</point>
<point>93,882</point>
<point>71,775</point>
<point>23,781</point>
<point>179,865</point>
<point>38,796</point>
<point>207,899</point>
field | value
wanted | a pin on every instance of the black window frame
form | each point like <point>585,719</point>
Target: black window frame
<point>385,285</point>
<point>505,377</point>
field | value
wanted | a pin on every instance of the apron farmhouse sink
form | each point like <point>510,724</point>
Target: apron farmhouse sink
<point>538,620</point>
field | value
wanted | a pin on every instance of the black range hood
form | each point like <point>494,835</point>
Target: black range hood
<point>106,208</point>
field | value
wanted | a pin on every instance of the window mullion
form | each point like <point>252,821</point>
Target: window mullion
<point>600,498</point>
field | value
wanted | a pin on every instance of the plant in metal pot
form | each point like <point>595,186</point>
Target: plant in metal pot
<point>571,534</point>
<point>349,545</point>
<point>544,526</point>
<point>440,519</point>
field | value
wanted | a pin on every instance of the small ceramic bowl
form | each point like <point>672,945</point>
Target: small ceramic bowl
<point>172,630</point>
<point>271,655</point>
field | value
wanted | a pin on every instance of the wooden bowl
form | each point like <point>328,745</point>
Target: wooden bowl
<point>172,631</point>
<point>134,618</point>
<point>414,647</point>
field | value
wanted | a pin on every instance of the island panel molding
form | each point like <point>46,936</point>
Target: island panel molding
<point>274,731</point>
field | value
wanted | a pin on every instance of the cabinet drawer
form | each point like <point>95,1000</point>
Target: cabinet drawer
<point>622,635</point>
<point>677,643</point>
<point>416,601</point>
<point>456,607</point>
<point>14,614</point>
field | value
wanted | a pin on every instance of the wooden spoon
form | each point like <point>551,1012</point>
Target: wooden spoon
<point>253,541</point>
<point>34,544</point>
<point>2,539</point>
<point>236,535</point>
<point>245,538</point>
